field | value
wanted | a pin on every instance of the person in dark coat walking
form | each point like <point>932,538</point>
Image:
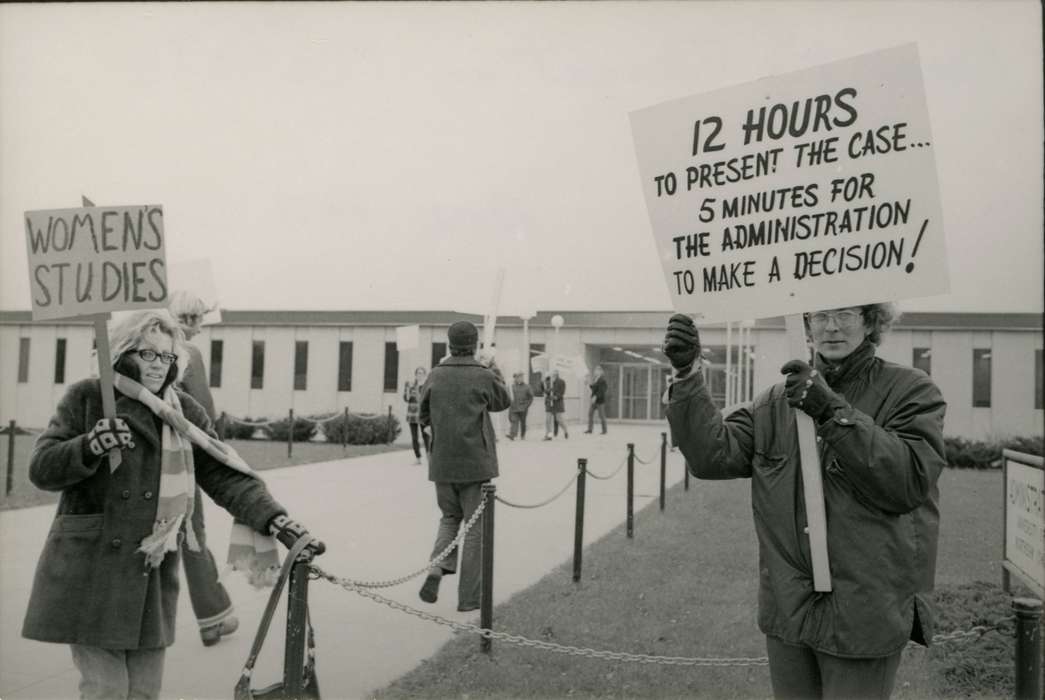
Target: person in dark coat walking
<point>522,397</point>
<point>412,397</point>
<point>107,580</point>
<point>456,403</point>
<point>879,431</point>
<point>210,600</point>
<point>555,406</point>
<point>598,388</point>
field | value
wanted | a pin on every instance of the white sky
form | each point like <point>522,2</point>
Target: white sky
<point>392,156</point>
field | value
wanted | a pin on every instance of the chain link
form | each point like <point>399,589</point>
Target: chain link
<point>973,632</point>
<point>542,503</point>
<point>353,585</point>
<point>609,476</point>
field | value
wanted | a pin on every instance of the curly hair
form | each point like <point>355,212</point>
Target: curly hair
<point>129,330</point>
<point>878,319</point>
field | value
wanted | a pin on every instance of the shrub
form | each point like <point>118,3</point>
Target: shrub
<point>304,430</point>
<point>987,454</point>
<point>234,430</point>
<point>363,429</point>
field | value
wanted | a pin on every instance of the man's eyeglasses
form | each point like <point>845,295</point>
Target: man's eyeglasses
<point>167,358</point>
<point>847,318</point>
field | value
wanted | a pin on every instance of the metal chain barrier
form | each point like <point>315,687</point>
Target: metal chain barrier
<point>542,503</point>
<point>354,585</point>
<point>640,460</point>
<point>973,632</point>
<point>608,476</point>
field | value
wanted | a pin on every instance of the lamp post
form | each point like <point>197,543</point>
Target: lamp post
<point>526,316</point>
<point>557,323</point>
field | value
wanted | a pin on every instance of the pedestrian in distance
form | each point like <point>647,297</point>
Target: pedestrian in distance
<point>555,406</point>
<point>879,431</point>
<point>522,397</point>
<point>598,388</point>
<point>456,403</point>
<point>211,603</point>
<point>107,580</point>
<point>412,396</point>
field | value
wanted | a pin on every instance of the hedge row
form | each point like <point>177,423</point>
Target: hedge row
<point>986,454</point>
<point>362,429</point>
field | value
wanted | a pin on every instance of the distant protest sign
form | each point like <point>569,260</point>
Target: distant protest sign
<point>808,190</point>
<point>95,260</point>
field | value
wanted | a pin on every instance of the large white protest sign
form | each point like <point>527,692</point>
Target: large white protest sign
<point>94,260</point>
<point>196,276</point>
<point>800,191</point>
<point>408,337</point>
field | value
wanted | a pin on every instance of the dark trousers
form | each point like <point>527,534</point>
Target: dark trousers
<point>599,408</point>
<point>210,600</point>
<point>518,420</point>
<point>457,502</point>
<point>801,672</point>
<point>414,430</point>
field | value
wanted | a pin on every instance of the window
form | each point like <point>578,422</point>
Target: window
<point>59,361</point>
<point>535,377</point>
<point>981,378</point>
<point>344,366</point>
<point>1037,379</point>
<point>217,350</point>
<point>300,365</point>
<point>23,360</point>
<point>923,359</point>
<point>438,353</point>
<point>391,367</point>
<point>257,364</point>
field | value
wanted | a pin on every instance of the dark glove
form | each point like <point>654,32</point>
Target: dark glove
<point>107,434</point>
<point>681,343</point>
<point>806,389</point>
<point>290,531</point>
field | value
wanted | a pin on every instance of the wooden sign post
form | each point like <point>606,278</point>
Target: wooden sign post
<point>811,190</point>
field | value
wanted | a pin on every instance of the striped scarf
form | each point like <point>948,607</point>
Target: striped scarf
<point>249,552</point>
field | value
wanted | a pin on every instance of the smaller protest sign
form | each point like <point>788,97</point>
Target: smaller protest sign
<point>408,337</point>
<point>196,277</point>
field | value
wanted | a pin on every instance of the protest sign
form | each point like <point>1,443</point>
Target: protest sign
<point>408,337</point>
<point>94,260</point>
<point>800,191</point>
<point>196,276</point>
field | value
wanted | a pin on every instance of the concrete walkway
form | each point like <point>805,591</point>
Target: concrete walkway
<point>378,517</point>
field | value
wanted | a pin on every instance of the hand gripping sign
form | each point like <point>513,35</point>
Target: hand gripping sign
<point>809,190</point>
<point>92,261</point>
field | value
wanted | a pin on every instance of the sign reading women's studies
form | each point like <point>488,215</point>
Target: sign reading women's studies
<point>95,260</point>
<point>801,191</point>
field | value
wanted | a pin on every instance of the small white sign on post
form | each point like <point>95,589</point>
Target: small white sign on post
<point>1025,520</point>
<point>810,190</point>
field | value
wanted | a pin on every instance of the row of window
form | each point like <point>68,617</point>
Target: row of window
<point>921,358</point>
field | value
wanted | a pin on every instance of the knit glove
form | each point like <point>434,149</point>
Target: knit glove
<point>681,343</point>
<point>290,531</point>
<point>806,389</point>
<point>107,434</point>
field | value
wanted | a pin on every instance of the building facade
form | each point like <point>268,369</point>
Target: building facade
<point>263,363</point>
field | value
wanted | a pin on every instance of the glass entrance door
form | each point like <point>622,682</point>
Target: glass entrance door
<point>635,391</point>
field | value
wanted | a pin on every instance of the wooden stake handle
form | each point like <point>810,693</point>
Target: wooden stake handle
<point>101,338</point>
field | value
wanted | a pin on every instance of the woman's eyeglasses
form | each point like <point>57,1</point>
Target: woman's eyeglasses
<point>846,318</point>
<point>167,358</point>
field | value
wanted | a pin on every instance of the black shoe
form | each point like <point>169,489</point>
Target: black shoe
<point>430,590</point>
<point>587,432</point>
<point>467,607</point>
<point>566,435</point>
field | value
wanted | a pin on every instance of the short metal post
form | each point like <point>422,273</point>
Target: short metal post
<point>290,434</point>
<point>297,612</point>
<point>1028,648</point>
<point>11,429</point>
<point>391,434</point>
<point>344,433</point>
<point>221,426</point>
<point>486,601</point>
<point>685,470</point>
<point>578,521</point>
<point>631,490</point>
<point>663,466</point>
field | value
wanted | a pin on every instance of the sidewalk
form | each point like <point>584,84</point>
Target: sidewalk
<point>378,517</point>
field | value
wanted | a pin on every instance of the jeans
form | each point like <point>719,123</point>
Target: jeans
<point>119,674</point>
<point>414,430</point>
<point>801,672</point>
<point>553,421</point>
<point>457,503</point>
<point>518,419</point>
<point>601,408</point>
<point>210,601</point>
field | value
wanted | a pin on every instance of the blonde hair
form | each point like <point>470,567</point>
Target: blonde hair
<point>182,303</point>
<point>129,330</point>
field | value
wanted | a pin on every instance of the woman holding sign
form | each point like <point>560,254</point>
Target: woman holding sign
<point>107,580</point>
<point>880,434</point>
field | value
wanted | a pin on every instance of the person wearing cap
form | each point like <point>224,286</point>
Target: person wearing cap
<point>211,603</point>
<point>456,403</point>
<point>522,397</point>
<point>879,433</point>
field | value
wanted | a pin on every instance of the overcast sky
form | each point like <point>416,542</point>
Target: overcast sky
<point>393,156</point>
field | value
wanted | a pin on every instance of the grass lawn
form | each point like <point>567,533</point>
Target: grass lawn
<point>687,586</point>
<point>259,454</point>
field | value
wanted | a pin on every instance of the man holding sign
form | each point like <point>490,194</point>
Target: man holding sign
<point>879,432</point>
